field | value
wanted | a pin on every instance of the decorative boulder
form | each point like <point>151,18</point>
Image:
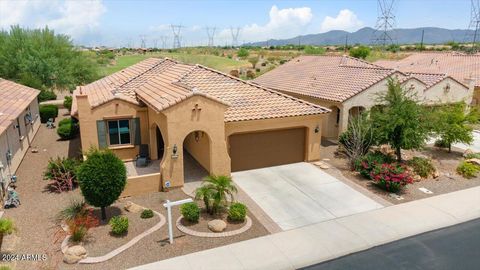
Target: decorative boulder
<point>436,174</point>
<point>474,161</point>
<point>133,207</point>
<point>217,225</point>
<point>468,152</point>
<point>74,254</point>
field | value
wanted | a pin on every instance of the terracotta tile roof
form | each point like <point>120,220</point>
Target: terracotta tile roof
<point>429,79</point>
<point>14,99</point>
<point>457,65</point>
<point>161,83</point>
<point>333,78</point>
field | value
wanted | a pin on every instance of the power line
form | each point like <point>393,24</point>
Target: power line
<point>384,28</point>
<point>474,23</point>
<point>143,41</point>
<point>235,32</point>
<point>211,35</point>
<point>176,29</point>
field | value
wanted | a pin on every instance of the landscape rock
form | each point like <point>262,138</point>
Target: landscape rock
<point>133,207</point>
<point>386,149</point>
<point>34,150</point>
<point>322,165</point>
<point>475,161</point>
<point>436,174</point>
<point>74,254</point>
<point>417,178</point>
<point>217,225</point>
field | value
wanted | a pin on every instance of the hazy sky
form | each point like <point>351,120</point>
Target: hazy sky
<point>122,22</point>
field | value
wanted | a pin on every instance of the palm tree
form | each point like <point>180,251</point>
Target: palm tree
<point>216,192</point>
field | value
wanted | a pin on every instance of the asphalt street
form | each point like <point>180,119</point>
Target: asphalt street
<point>456,247</point>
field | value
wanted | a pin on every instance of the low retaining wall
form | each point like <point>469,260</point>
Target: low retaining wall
<point>142,184</point>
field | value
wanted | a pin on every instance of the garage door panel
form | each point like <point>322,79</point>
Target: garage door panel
<point>265,149</point>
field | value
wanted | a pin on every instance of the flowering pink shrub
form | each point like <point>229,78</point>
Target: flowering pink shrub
<point>391,177</point>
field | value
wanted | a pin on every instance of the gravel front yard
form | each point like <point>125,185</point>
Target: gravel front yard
<point>445,162</point>
<point>38,234</point>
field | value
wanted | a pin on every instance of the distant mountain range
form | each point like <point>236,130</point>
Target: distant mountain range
<point>432,35</point>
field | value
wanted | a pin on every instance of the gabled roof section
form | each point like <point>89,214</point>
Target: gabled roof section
<point>162,83</point>
<point>14,99</point>
<point>329,77</point>
<point>457,65</point>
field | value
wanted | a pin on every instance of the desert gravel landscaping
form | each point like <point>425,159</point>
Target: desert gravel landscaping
<point>446,163</point>
<point>39,234</point>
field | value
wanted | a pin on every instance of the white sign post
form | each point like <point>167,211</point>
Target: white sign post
<point>168,204</point>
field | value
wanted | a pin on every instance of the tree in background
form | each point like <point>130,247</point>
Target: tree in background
<point>311,50</point>
<point>401,122</point>
<point>360,52</point>
<point>452,124</point>
<point>243,53</point>
<point>253,61</point>
<point>102,178</point>
<point>44,60</point>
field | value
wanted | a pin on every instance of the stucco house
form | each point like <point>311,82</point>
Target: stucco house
<point>463,67</point>
<point>191,113</point>
<point>19,122</point>
<point>348,86</point>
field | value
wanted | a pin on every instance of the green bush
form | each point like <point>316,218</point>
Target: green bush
<point>67,103</point>
<point>243,53</point>
<point>119,225</point>
<point>67,129</point>
<point>467,169</point>
<point>76,208</point>
<point>440,143</point>
<point>472,155</point>
<point>391,177</point>
<point>360,52</point>
<point>48,111</point>
<point>366,164</point>
<point>147,213</point>
<point>46,95</point>
<point>6,226</point>
<point>79,233</point>
<point>102,178</point>
<point>237,212</point>
<point>421,166</point>
<point>190,211</point>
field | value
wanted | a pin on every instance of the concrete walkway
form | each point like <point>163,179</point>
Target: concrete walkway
<point>334,238</point>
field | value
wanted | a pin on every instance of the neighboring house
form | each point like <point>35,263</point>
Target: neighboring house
<point>224,123</point>
<point>19,122</point>
<point>462,67</point>
<point>348,86</point>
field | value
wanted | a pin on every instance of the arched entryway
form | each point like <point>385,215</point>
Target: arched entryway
<point>196,156</point>
<point>331,124</point>
<point>160,143</point>
<point>355,111</point>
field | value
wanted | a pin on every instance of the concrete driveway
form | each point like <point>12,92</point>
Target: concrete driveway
<point>300,194</point>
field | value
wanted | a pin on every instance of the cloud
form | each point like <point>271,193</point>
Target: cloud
<point>282,23</point>
<point>345,20</point>
<point>73,17</point>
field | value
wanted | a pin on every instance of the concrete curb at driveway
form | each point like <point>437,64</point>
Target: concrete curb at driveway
<point>334,238</point>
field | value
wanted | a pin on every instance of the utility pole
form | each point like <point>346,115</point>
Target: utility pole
<point>346,43</point>
<point>211,35</point>
<point>474,22</point>
<point>143,40</point>
<point>235,32</point>
<point>385,25</point>
<point>421,42</point>
<point>176,29</point>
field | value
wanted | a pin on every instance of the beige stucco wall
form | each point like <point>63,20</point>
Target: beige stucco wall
<point>137,185</point>
<point>200,150</point>
<point>311,122</point>
<point>115,109</point>
<point>476,97</point>
<point>177,122</point>
<point>18,146</point>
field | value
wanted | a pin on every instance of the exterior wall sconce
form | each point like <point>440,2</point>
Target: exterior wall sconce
<point>317,129</point>
<point>174,151</point>
<point>447,88</point>
<point>197,136</point>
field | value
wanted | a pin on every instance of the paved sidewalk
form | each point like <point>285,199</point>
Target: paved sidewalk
<point>334,238</point>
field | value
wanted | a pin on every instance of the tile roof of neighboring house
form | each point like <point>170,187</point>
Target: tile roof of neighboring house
<point>14,99</point>
<point>334,78</point>
<point>161,83</point>
<point>329,77</point>
<point>457,65</point>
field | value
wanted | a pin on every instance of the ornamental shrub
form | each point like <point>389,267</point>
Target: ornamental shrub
<point>67,103</point>
<point>366,164</point>
<point>102,178</point>
<point>472,155</point>
<point>62,174</point>
<point>79,233</point>
<point>467,169</point>
<point>46,95</point>
<point>190,211</point>
<point>391,177</point>
<point>48,111</point>
<point>67,129</point>
<point>237,212</point>
<point>421,166</point>
<point>119,225</point>
<point>147,213</point>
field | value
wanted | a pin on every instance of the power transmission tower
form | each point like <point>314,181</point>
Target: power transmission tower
<point>383,34</point>
<point>474,24</point>
<point>176,29</point>
<point>235,32</point>
<point>211,35</point>
<point>143,41</point>
<point>155,42</point>
<point>163,39</point>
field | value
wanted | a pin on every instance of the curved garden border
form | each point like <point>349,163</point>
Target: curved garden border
<point>120,249</point>
<point>186,230</point>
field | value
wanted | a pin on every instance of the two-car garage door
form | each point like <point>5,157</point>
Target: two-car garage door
<point>267,148</point>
